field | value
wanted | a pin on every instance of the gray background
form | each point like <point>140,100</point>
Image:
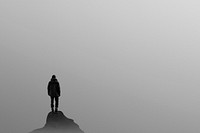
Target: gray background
<point>128,66</point>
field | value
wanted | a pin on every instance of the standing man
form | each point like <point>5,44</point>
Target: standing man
<point>54,92</point>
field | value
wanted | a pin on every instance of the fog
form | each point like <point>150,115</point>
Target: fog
<point>123,66</point>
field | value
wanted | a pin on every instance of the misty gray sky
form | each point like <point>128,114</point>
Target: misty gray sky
<point>124,65</point>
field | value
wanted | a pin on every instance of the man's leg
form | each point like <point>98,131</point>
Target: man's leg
<point>52,104</point>
<point>57,100</point>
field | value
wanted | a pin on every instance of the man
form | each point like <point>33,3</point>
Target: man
<point>54,92</point>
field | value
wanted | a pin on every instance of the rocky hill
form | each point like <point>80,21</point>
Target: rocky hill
<point>57,122</point>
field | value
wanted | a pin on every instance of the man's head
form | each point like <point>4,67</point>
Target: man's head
<point>53,76</point>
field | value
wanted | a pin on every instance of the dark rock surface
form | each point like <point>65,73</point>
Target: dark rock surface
<point>57,122</point>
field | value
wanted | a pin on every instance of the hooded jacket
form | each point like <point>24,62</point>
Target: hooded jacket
<point>53,88</point>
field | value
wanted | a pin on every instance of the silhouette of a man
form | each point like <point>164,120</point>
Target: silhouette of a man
<point>54,92</point>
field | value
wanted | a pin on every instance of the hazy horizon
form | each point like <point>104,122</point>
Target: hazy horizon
<point>123,66</point>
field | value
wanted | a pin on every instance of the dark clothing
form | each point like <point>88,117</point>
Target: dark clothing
<point>54,92</point>
<point>56,100</point>
<point>53,88</point>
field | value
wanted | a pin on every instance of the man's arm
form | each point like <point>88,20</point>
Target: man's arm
<point>48,88</point>
<point>58,89</point>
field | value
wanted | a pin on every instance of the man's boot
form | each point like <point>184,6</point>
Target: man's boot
<point>56,110</point>
<point>52,109</point>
